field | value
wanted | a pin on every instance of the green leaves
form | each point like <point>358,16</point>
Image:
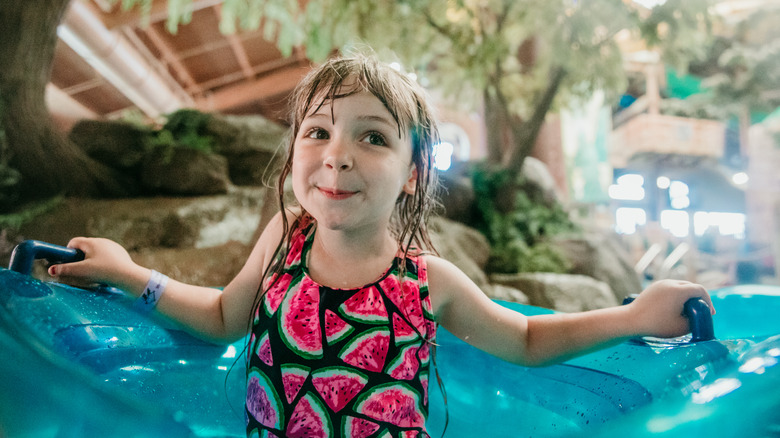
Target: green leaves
<point>518,237</point>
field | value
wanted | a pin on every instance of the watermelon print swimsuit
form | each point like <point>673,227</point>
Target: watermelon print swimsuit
<point>329,362</point>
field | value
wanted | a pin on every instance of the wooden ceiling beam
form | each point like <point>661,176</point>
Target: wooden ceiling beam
<point>260,89</point>
<point>169,57</point>
<point>259,70</point>
<point>238,49</point>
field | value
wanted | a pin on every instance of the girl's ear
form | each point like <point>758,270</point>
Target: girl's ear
<point>411,184</point>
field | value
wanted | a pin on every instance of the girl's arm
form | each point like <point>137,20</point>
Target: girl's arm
<point>220,316</point>
<point>464,310</point>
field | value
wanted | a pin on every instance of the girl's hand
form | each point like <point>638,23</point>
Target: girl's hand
<point>658,310</point>
<point>105,262</point>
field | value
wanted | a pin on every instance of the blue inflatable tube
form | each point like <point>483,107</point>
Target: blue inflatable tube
<point>84,363</point>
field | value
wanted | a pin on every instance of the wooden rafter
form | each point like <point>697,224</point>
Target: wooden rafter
<point>260,89</point>
<point>263,69</point>
<point>238,49</point>
<point>169,56</point>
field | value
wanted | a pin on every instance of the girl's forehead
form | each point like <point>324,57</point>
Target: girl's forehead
<point>370,104</point>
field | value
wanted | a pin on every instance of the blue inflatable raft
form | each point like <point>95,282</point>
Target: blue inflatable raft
<point>83,363</point>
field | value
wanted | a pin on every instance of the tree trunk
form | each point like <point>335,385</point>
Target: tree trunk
<point>49,164</point>
<point>525,135</point>
<point>498,122</point>
<point>511,140</point>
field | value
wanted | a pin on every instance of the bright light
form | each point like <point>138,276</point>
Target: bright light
<point>395,66</point>
<point>740,178</point>
<point>627,219</point>
<point>663,182</point>
<point>729,224</point>
<point>678,195</point>
<point>626,193</point>
<point>442,155</point>
<point>230,353</point>
<point>631,179</point>
<point>628,188</point>
<point>650,4</point>
<point>675,221</point>
<point>678,189</point>
<point>681,202</point>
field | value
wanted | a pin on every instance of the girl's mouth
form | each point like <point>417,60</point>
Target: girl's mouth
<point>335,193</point>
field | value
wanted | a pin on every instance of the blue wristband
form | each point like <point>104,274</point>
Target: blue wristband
<point>152,292</point>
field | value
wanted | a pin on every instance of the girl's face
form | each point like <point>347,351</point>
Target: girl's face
<point>350,164</point>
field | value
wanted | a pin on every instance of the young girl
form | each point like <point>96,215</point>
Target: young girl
<point>341,294</point>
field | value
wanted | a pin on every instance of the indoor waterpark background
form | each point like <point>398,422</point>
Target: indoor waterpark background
<point>649,141</point>
<point>588,148</point>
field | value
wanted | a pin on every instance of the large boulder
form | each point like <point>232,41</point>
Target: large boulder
<point>184,171</point>
<point>562,292</point>
<point>602,257</point>
<point>465,247</point>
<point>116,144</point>
<point>539,182</point>
<point>253,146</point>
<point>505,293</point>
<point>212,267</point>
<point>154,222</point>
<point>459,199</point>
<point>237,150</point>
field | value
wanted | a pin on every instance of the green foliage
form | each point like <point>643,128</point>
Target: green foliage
<point>185,128</point>
<point>680,29</point>
<point>467,47</point>
<point>740,67</point>
<point>518,238</point>
<point>10,178</point>
<point>28,212</point>
<point>696,106</point>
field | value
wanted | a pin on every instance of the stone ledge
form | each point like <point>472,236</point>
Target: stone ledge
<point>167,222</point>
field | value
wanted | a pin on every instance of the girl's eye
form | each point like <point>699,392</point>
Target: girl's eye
<point>317,134</point>
<point>375,139</point>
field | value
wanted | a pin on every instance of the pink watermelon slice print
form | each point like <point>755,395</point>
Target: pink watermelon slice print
<point>262,401</point>
<point>424,353</point>
<point>296,251</point>
<point>368,351</point>
<point>293,377</point>
<point>366,306</point>
<point>357,427</point>
<point>309,419</point>
<point>264,350</point>
<point>402,332</point>
<point>424,381</point>
<point>405,365</point>
<point>406,298</point>
<point>338,385</point>
<point>300,324</point>
<point>274,296</point>
<point>395,403</point>
<point>336,328</point>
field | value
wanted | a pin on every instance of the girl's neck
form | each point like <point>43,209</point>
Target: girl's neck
<point>349,260</point>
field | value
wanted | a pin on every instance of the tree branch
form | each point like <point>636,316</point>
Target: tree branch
<point>525,135</point>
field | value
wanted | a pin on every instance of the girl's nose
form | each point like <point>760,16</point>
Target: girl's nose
<point>338,157</point>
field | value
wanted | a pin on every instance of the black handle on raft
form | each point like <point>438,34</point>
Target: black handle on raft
<point>699,318</point>
<point>27,252</point>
